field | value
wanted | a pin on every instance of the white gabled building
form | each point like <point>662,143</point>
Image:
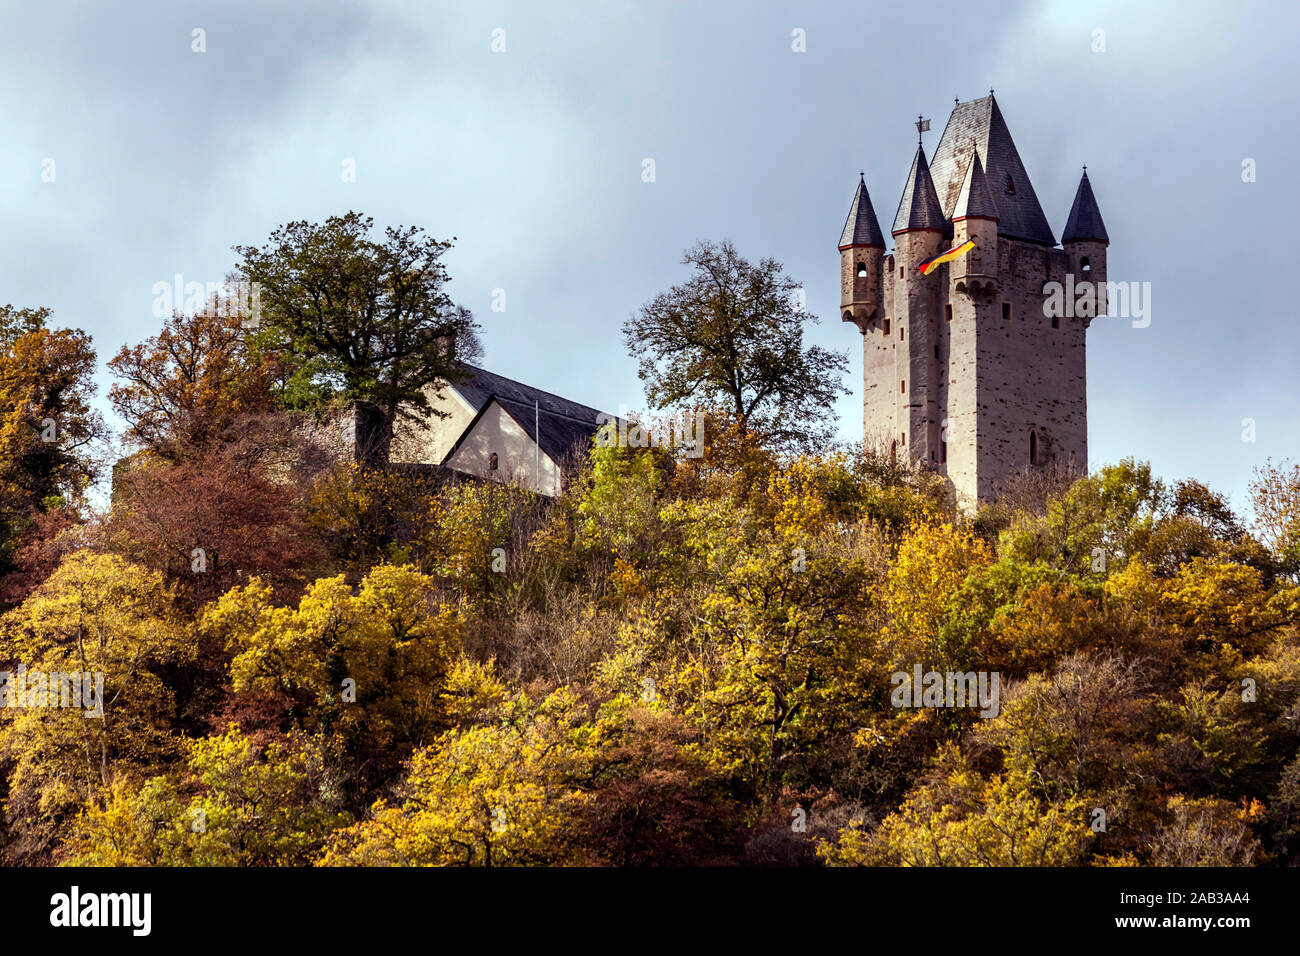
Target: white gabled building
<point>500,430</point>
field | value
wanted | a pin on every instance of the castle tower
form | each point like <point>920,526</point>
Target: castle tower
<point>862,247</point>
<point>920,230</point>
<point>965,371</point>
<point>975,217</point>
<point>1085,243</point>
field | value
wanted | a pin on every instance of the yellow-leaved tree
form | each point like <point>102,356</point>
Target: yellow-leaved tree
<point>106,628</point>
<point>368,666</point>
<point>496,794</point>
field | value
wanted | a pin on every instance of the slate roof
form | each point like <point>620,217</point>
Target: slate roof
<point>977,127</point>
<point>1085,218</point>
<point>919,208</point>
<point>862,228</point>
<point>975,199</point>
<point>557,435</point>
<point>563,423</point>
<point>480,385</point>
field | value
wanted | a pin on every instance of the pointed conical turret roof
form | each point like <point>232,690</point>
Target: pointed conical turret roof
<point>975,201</point>
<point>977,128</point>
<point>862,228</point>
<point>1085,218</point>
<point>919,208</point>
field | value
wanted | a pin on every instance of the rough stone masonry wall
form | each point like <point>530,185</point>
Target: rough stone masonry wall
<point>880,360</point>
<point>857,291</point>
<point>900,371</point>
<point>958,411</point>
<point>1031,376</point>
<point>924,304</point>
<point>992,380</point>
<point>958,401</point>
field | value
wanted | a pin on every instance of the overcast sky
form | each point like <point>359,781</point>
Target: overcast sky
<point>164,158</point>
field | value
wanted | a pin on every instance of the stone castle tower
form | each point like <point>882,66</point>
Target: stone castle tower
<point>964,369</point>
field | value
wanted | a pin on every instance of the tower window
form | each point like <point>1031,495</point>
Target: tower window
<point>936,351</point>
<point>947,312</point>
<point>943,450</point>
<point>848,315</point>
<point>886,329</point>
<point>1006,311</point>
<point>902,386</point>
<point>1085,264</point>
<point>900,334</point>
<point>1056,322</point>
<point>862,270</point>
<point>492,462</point>
<point>1033,447</point>
<point>904,437</point>
<point>900,271</point>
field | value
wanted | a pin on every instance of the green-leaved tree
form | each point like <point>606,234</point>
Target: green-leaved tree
<point>731,337</point>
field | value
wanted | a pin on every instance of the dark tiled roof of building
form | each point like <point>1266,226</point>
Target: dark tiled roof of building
<point>975,199</point>
<point>919,208</point>
<point>479,385</point>
<point>862,228</point>
<point>977,126</point>
<point>557,435</point>
<point>1085,218</point>
<point>556,424</point>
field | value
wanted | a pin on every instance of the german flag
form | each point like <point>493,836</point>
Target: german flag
<point>951,254</point>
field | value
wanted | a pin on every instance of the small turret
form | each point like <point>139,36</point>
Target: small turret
<point>862,246</point>
<point>975,216</point>
<point>919,208</point>
<point>1085,241</point>
<point>919,224</point>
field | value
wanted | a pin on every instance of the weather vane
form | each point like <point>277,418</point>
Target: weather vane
<point>922,126</point>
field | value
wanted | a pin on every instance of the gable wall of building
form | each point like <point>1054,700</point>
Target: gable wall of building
<point>429,442</point>
<point>517,456</point>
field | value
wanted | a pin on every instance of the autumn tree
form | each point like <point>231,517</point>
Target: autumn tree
<point>358,317</point>
<point>1275,498</point>
<point>222,512</point>
<point>48,431</point>
<point>369,667</point>
<point>965,819</point>
<point>96,615</point>
<point>497,794</point>
<point>46,422</point>
<point>731,336</point>
<point>237,803</point>
<point>183,387</point>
